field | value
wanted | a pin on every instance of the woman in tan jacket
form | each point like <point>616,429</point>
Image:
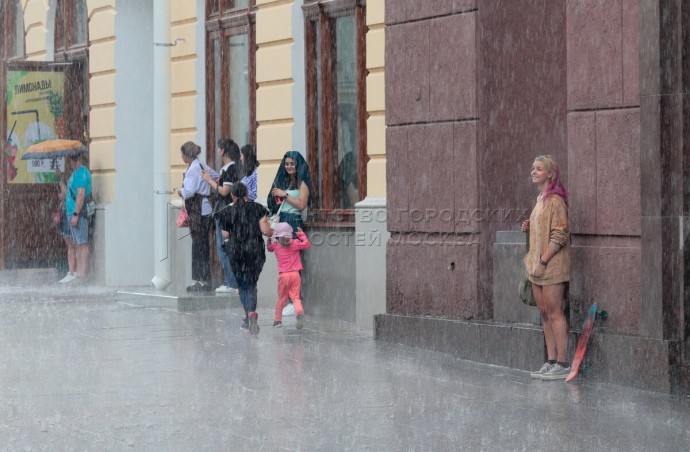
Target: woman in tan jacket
<point>548,263</point>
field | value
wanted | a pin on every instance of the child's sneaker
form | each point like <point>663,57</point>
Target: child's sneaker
<point>253,325</point>
<point>542,370</point>
<point>245,326</point>
<point>299,324</point>
<point>277,324</point>
<point>557,372</point>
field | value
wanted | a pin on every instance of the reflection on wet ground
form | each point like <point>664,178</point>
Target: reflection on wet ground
<point>90,370</point>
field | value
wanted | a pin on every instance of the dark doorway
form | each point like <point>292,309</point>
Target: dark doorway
<point>44,100</point>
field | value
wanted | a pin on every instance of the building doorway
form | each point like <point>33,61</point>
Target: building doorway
<point>44,100</point>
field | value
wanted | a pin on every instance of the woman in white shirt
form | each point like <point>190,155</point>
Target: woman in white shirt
<point>195,192</point>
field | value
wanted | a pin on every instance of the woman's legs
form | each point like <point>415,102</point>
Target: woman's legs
<point>71,255</point>
<point>244,298</point>
<point>200,251</point>
<point>248,298</point>
<point>229,280</point>
<point>80,245</point>
<point>248,294</point>
<point>82,253</point>
<point>550,303</point>
<point>253,296</point>
<point>71,260</point>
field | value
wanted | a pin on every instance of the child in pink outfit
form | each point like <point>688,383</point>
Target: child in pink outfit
<point>287,252</point>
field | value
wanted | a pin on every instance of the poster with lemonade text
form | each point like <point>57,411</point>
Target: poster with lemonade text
<point>35,102</point>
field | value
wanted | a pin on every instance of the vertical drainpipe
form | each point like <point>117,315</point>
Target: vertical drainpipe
<point>161,141</point>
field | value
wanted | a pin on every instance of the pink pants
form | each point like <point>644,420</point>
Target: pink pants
<point>288,288</point>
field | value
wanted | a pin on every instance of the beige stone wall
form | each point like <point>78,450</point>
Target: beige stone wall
<point>376,105</point>
<point>35,28</point>
<point>183,82</point>
<point>102,97</point>
<point>101,81</point>
<point>274,74</point>
<point>274,78</point>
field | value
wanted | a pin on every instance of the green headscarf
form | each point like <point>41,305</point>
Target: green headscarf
<point>282,179</point>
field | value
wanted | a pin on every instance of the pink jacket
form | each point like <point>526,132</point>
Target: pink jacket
<point>288,256</point>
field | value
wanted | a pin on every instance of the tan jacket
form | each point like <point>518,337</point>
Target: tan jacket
<point>549,223</point>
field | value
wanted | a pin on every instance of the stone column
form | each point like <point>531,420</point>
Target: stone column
<point>661,162</point>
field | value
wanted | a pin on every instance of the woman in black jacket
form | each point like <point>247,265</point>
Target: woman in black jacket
<point>244,225</point>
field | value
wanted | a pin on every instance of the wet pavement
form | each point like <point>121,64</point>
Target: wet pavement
<point>89,369</point>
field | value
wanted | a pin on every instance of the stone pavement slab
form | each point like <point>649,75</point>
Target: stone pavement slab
<point>90,369</point>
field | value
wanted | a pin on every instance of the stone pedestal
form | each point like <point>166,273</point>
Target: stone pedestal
<point>508,251</point>
<point>371,236</point>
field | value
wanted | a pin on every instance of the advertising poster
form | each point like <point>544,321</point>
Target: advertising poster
<point>34,114</point>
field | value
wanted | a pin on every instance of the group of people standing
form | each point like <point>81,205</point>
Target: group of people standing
<point>241,224</point>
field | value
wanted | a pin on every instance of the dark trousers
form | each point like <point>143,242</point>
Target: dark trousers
<point>201,253</point>
<point>248,295</point>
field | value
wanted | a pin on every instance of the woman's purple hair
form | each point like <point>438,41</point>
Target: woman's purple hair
<point>555,186</point>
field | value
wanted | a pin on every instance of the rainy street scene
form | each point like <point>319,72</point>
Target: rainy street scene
<point>344,225</point>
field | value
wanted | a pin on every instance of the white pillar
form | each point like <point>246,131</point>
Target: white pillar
<point>161,142</point>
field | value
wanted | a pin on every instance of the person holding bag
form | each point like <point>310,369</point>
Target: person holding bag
<point>196,192</point>
<point>229,156</point>
<point>290,190</point>
<point>77,191</point>
<point>290,196</point>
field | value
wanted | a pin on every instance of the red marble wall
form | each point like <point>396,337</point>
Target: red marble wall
<point>604,159</point>
<point>522,109</point>
<point>431,113</point>
<point>474,91</point>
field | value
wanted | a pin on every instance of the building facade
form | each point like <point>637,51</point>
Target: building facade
<point>489,85</point>
<point>420,121</point>
<point>297,75</point>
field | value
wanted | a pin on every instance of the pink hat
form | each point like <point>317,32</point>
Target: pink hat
<point>282,230</point>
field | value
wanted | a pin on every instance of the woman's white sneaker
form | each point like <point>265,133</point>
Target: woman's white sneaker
<point>557,372</point>
<point>542,370</point>
<point>68,278</point>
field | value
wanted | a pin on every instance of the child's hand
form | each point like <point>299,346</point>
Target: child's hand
<point>299,229</point>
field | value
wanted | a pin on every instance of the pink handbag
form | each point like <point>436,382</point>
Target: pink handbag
<point>183,218</point>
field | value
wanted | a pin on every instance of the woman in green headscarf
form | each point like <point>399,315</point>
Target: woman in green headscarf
<point>290,191</point>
